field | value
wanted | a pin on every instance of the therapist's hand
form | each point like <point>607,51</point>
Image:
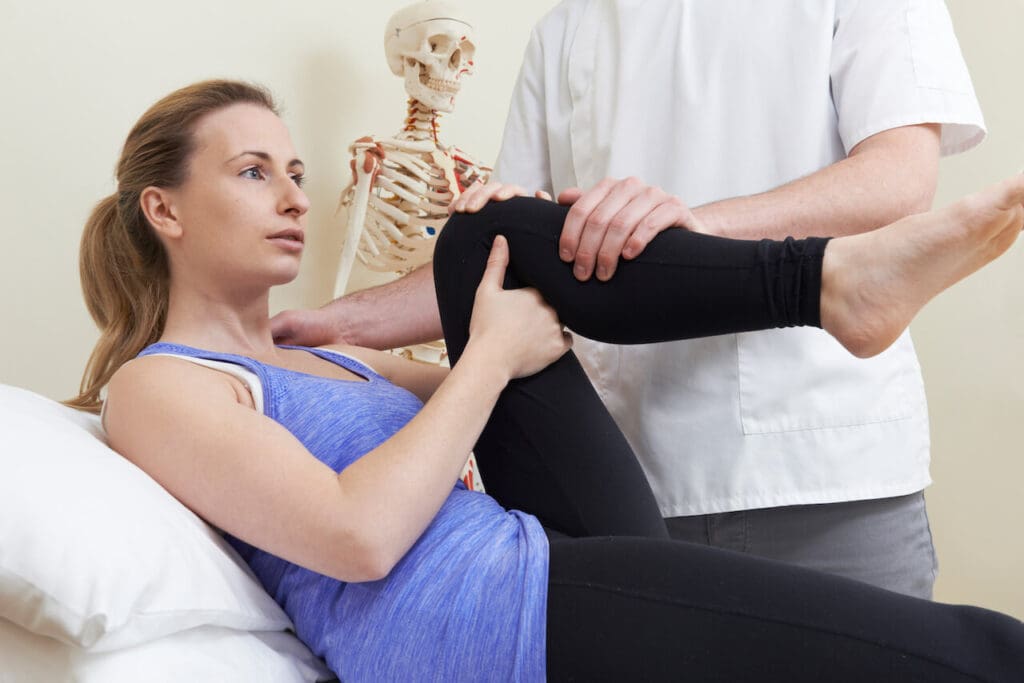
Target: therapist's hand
<point>478,194</point>
<point>616,218</point>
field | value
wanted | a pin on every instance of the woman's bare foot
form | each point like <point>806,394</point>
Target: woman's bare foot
<point>873,284</point>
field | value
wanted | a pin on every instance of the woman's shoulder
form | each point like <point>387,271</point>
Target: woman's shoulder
<point>147,382</point>
<point>148,372</point>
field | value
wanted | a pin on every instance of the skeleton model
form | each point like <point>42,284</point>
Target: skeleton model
<point>401,186</point>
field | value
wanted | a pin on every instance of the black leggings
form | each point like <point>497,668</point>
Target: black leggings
<point>624,602</point>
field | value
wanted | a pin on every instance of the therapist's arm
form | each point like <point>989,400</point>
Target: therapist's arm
<point>886,177</point>
<point>399,313</point>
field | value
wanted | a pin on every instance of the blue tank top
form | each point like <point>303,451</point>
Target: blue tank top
<point>466,603</point>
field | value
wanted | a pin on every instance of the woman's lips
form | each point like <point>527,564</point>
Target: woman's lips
<point>287,243</point>
<point>291,240</point>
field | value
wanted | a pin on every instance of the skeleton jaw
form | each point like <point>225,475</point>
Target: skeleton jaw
<point>436,92</point>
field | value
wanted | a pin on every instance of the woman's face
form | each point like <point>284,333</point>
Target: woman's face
<point>241,208</point>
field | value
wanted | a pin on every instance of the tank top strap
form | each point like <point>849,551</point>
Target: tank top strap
<point>257,378</point>
<point>168,348</point>
<point>340,358</point>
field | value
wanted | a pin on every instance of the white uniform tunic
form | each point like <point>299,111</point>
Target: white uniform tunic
<point>723,98</point>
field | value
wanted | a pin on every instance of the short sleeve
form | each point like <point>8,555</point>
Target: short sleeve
<point>524,156</point>
<point>898,63</point>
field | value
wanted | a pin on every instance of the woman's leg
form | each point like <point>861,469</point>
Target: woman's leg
<point>643,609</point>
<point>550,447</point>
<point>683,285</point>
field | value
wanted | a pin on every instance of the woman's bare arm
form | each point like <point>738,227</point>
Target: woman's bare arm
<point>185,426</point>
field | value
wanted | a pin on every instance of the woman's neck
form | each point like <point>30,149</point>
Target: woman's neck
<point>217,322</point>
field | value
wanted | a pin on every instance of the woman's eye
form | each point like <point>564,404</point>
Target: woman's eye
<point>254,173</point>
<point>299,180</point>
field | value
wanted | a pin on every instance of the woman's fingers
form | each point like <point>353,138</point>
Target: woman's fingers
<point>497,262</point>
<point>520,328</point>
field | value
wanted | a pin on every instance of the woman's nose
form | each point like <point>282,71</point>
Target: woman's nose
<point>293,199</point>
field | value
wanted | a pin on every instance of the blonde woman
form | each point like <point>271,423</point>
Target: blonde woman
<point>566,572</point>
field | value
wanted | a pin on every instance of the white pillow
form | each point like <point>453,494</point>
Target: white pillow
<point>95,553</point>
<point>199,655</point>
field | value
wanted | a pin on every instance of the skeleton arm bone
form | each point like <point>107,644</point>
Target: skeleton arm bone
<point>364,174</point>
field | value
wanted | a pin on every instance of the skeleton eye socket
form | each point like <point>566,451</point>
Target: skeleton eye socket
<point>440,44</point>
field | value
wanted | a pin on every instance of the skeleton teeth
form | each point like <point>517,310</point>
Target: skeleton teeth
<point>442,85</point>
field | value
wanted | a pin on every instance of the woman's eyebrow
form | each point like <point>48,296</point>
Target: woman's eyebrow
<point>266,157</point>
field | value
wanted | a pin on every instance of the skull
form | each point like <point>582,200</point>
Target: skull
<point>432,49</point>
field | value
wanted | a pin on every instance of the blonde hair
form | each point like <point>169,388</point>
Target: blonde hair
<point>122,264</point>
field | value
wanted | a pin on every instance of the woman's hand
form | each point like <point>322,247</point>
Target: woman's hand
<point>477,195</point>
<point>516,326</point>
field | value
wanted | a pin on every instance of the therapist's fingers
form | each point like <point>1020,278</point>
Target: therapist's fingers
<point>577,217</point>
<point>569,196</point>
<point>674,213</point>
<point>601,219</point>
<point>477,195</point>
<point>623,228</point>
<point>459,204</point>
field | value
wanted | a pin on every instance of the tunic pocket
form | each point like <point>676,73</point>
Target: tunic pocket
<point>792,380</point>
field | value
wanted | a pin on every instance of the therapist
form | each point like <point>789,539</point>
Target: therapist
<point>823,117</point>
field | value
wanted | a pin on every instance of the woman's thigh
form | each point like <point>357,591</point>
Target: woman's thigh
<point>642,609</point>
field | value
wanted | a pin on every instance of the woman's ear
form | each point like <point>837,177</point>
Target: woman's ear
<point>158,208</point>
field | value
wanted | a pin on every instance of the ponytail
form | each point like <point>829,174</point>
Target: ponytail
<point>125,280</point>
<point>123,266</point>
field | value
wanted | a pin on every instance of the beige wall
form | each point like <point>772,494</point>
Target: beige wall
<point>970,339</point>
<point>75,76</point>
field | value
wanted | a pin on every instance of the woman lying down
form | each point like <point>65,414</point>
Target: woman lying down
<point>566,571</point>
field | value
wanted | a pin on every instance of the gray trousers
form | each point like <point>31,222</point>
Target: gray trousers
<point>885,542</point>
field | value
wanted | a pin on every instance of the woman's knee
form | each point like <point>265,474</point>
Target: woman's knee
<point>507,218</point>
<point>461,232</point>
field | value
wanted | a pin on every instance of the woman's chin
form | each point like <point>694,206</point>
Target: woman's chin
<point>283,275</point>
<point>285,279</point>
